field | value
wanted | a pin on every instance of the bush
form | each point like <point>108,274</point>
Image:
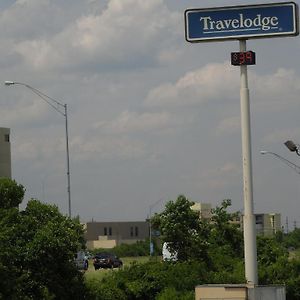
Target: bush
<point>170,293</point>
<point>150,280</point>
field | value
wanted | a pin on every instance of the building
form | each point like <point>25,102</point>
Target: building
<point>265,224</point>
<point>5,154</point>
<point>268,224</point>
<point>111,234</point>
<point>204,210</point>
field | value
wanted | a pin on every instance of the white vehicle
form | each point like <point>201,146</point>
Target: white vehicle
<point>167,255</point>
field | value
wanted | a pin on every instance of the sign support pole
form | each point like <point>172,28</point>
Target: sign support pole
<point>249,217</point>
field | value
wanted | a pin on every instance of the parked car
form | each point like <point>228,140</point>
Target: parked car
<point>106,260</point>
<point>81,260</point>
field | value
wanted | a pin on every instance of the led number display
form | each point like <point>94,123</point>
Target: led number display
<point>243,58</point>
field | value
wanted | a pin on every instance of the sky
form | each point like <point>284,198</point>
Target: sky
<point>151,116</point>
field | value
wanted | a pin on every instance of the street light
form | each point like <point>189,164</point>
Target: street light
<point>57,106</point>
<point>150,229</point>
<point>292,147</point>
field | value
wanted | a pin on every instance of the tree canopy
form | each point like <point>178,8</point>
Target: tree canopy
<point>11,193</point>
<point>37,247</point>
<point>192,237</point>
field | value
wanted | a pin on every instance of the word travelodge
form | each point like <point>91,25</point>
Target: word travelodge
<point>259,22</point>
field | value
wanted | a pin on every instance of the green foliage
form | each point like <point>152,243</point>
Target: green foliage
<point>170,293</point>
<point>269,251</point>
<point>181,228</point>
<point>37,249</point>
<point>194,238</point>
<point>275,267</point>
<point>146,281</point>
<point>219,260</point>
<point>11,193</point>
<point>291,239</point>
<point>224,232</point>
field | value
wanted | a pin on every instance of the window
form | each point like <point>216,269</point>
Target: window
<point>105,230</point>
<point>6,137</point>
<point>109,231</point>
<point>136,231</point>
<point>131,231</point>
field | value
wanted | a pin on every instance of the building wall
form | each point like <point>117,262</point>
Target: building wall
<point>110,234</point>
<point>267,224</point>
<point>5,153</point>
<point>204,210</point>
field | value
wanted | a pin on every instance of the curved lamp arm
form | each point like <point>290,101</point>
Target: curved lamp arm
<point>287,162</point>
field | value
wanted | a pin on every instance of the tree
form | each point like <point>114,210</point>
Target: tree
<point>225,236</point>
<point>181,228</point>
<point>37,248</point>
<point>194,238</point>
<point>11,193</point>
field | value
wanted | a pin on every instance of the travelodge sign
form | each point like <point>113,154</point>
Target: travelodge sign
<point>241,22</point>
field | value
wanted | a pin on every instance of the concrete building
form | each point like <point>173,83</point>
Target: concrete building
<point>111,234</point>
<point>204,210</point>
<point>5,154</point>
<point>266,224</point>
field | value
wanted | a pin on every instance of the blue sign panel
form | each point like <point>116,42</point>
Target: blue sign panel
<point>241,22</point>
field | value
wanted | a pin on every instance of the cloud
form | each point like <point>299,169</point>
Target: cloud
<point>97,147</point>
<point>229,125</point>
<point>212,82</point>
<point>129,122</point>
<point>121,34</point>
<point>215,82</point>
<point>274,91</point>
<point>280,136</point>
<point>24,112</point>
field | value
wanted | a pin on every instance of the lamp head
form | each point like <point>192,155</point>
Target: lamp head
<point>263,152</point>
<point>291,146</point>
<point>8,82</point>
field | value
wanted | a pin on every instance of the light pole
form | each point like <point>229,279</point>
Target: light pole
<point>150,229</point>
<point>57,106</point>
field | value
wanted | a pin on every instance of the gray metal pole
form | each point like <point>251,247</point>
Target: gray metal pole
<point>249,218</point>
<point>68,161</point>
<point>150,233</point>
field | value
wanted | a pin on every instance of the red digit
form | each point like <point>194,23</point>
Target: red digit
<point>242,58</point>
<point>249,57</point>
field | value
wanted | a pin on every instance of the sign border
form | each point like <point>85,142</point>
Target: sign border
<point>295,32</point>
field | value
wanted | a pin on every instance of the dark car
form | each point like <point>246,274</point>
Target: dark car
<point>106,260</point>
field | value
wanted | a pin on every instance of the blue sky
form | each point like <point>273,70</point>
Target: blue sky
<point>150,115</point>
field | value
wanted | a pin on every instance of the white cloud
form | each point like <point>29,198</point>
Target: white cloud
<point>95,148</point>
<point>277,90</point>
<point>215,82</point>
<point>212,82</point>
<point>280,136</point>
<point>24,112</point>
<point>119,34</point>
<point>129,122</point>
<point>229,125</point>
